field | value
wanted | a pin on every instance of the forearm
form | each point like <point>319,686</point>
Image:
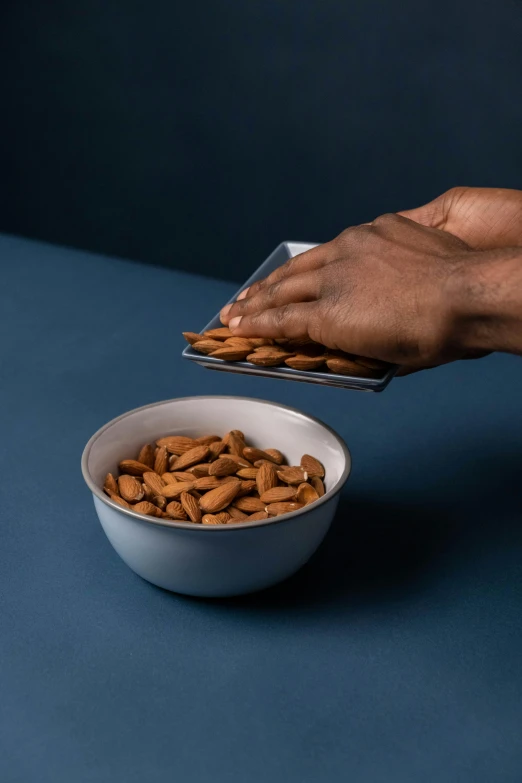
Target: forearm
<point>489,301</point>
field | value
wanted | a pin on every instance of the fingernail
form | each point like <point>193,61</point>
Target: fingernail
<point>225,311</point>
<point>243,294</point>
<point>234,322</point>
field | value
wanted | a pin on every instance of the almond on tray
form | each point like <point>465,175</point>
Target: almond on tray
<point>303,355</point>
<point>210,480</point>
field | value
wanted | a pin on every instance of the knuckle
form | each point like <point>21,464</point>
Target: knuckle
<point>347,236</point>
<point>273,290</point>
<point>329,285</point>
<point>352,237</point>
<point>253,289</point>
<point>252,321</point>
<point>282,314</point>
<point>387,219</point>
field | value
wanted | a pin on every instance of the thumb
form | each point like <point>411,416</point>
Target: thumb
<point>433,215</point>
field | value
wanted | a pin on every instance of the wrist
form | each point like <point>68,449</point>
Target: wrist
<point>487,301</point>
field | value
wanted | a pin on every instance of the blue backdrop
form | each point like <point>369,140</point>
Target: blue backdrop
<point>201,134</point>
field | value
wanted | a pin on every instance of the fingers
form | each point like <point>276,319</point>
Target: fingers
<point>290,320</point>
<point>305,262</point>
<point>297,288</point>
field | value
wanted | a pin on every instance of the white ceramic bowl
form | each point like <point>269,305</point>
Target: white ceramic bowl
<point>221,560</point>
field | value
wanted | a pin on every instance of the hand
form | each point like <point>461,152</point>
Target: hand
<point>484,218</point>
<point>391,290</point>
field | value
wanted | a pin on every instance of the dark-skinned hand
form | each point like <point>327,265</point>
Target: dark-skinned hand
<point>392,290</point>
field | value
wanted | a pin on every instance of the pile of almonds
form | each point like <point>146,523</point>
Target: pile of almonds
<point>214,481</point>
<point>297,354</point>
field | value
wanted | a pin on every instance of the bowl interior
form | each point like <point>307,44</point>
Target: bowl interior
<point>265,424</point>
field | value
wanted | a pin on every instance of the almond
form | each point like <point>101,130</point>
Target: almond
<point>239,342</point>
<point>221,333</point>
<point>230,353</point>
<point>240,461</point>
<point>341,366</point>
<point>272,349</point>
<point>292,475</point>
<point>246,488</point>
<point>170,478</point>
<point>253,454</point>
<point>119,500</point>
<point>235,443</point>
<point>206,346</point>
<point>268,359</point>
<point>206,440</point>
<point>110,485</point>
<point>247,473</point>
<point>160,502</point>
<point>266,477</point>
<point>306,363</point>
<point>161,460</point>
<point>275,455</point>
<point>222,467</point>
<point>257,515</point>
<point>155,482</point>
<point>199,470</point>
<point>279,495</point>
<point>249,504</point>
<point>227,479</point>
<point>235,514</point>
<point>223,516</point>
<point>216,449</point>
<point>132,467</point>
<point>147,508</point>
<point>176,510</point>
<point>318,485</point>
<point>180,475</point>
<point>191,506</point>
<point>175,490</point>
<point>191,457</point>
<point>306,494</point>
<point>192,337</point>
<point>148,494</point>
<point>146,455</point>
<point>212,519</point>
<point>312,466</point>
<point>260,342</point>
<point>221,497</point>
<point>130,489</point>
<point>205,483</point>
<point>177,444</point>
<point>276,509</point>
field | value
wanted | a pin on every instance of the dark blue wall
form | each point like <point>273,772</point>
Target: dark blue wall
<point>202,134</point>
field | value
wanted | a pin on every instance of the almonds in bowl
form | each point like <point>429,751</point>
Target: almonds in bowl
<point>213,480</point>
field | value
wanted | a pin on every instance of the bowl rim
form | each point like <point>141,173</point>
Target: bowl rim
<point>230,526</point>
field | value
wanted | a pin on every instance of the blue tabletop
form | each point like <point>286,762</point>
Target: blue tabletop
<point>393,656</point>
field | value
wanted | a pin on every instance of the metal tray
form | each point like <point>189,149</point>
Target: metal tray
<point>280,255</point>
